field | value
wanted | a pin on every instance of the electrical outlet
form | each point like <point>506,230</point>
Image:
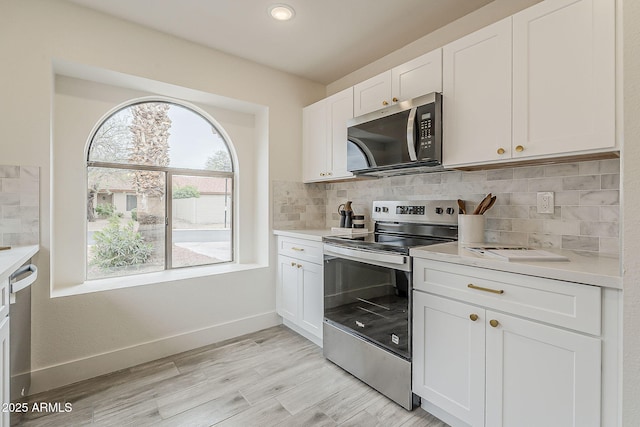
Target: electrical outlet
<point>545,202</point>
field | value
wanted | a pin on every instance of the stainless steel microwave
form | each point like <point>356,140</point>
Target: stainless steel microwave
<point>400,139</point>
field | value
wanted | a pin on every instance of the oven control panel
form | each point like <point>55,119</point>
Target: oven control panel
<point>420,211</point>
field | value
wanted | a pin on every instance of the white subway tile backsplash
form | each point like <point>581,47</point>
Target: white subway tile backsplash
<point>609,245</point>
<point>581,243</point>
<point>599,198</point>
<point>528,172</point>
<point>583,182</point>
<point>584,213</point>
<point>545,184</point>
<point>562,169</point>
<point>589,168</point>
<point>599,229</point>
<point>585,217</point>
<point>611,181</point>
<point>559,227</point>
<point>19,201</point>
<point>609,213</point>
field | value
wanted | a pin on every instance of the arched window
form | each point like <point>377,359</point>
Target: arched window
<point>160,180</point>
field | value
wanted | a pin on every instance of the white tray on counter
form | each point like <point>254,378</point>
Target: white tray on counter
<point>348,231</point>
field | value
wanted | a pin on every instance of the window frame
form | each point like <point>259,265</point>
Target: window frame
<point>168,172</point>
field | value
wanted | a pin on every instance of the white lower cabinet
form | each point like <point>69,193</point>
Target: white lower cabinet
<point>449,357</point>
<point>476,366</point>
<point>538,375</point>
<point>300,286</point>
<point>6,373</point>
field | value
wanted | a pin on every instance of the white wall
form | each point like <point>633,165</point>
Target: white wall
<point>631,221</point>
<point>469,23</point>
<point>86,335</point>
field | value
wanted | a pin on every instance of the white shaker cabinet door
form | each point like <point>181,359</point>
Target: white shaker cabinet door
<point>564,77</point>
<point>314,142</point>
<point>417,77</point>
<point>311,298</point>
<point>288,282</point>
<point>449,356</point>
<point>5,355</point>
<point>538,375</point>
<point>477,96</point>
<point>339,111</point>
<point>372,94</point>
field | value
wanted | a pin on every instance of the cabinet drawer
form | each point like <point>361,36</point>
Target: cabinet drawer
<point>571,305</point>
<point>300,249</point>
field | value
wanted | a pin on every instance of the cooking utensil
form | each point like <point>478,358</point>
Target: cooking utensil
<point>482,204</point>
<point>462,207</point>
<point>491,203</point>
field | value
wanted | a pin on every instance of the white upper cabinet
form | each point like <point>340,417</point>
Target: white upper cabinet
<point>537,85</point>
<point>314,142</point>
<point>477,96</point>
<point>417,77</point>
<point>412,79</point>
<point>564,77</point>
<point>324,138</point>
<point>372,94</point>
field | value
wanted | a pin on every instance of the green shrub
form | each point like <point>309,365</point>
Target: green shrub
<point>119,246</point>
<point>186,192</point>
<point>134,214</point>
<point>106,210</point>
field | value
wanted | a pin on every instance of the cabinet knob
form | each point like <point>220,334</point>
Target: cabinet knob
<point>473,317</point>
<point>293,264</point>
<point>299,265</point>
<point>385,103</point>
<point>519,148</point>
<point>329,173</point>
<point>501,151</point>
<point>322,174</point>
<point>395,99</point>
<point>494,323</point>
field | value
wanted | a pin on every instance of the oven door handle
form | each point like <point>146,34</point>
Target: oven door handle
<point>366,256</point>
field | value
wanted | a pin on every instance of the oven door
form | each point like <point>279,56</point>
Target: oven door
<point>370,300</point>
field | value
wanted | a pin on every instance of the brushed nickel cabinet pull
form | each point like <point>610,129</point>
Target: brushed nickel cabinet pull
<point>473,317</point>
<point>480,288</point>
<point>494,323</point>
<point>293,248</point>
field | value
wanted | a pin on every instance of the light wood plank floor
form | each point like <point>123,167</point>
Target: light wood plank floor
<point>272,377</point>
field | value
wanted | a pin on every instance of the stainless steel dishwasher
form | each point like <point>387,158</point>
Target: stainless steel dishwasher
<point>20,329</point>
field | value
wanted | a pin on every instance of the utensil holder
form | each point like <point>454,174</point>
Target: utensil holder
<point>470,228</point>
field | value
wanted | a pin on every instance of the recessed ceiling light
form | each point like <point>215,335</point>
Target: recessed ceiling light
<point>281,12</point>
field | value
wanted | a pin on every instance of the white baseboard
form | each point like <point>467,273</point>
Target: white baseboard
<point>81,369</point>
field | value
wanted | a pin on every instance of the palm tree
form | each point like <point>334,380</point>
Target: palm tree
<point>150,146</point>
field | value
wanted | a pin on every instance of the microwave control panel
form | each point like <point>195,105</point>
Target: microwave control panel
<point>429,130</point>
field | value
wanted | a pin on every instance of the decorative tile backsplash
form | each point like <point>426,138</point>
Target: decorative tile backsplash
<point>585,218</point>
<point>19,205</point>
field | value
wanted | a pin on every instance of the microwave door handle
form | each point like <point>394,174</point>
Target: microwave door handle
<point>411,134</point>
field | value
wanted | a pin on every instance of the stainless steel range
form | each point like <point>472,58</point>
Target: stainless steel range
<point>367,292</point>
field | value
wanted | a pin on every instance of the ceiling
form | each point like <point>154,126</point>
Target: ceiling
<point>326,40</point>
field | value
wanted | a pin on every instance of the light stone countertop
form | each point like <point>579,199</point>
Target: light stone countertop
<point>590,269</point>
<point>12,259</point>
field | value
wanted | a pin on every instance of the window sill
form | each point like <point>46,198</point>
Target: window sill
<point>113,283</point>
